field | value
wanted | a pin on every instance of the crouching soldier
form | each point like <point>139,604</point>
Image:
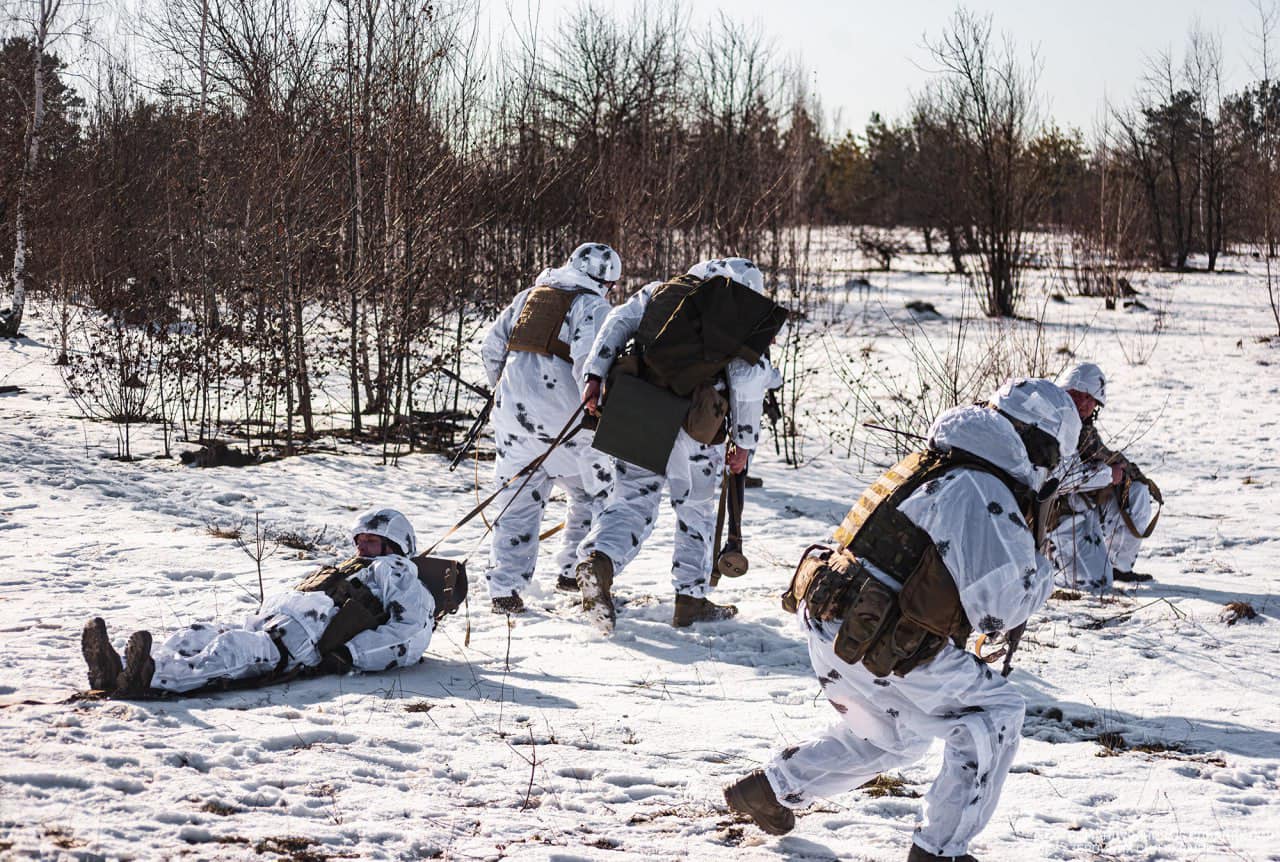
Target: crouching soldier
<point>535,355</point>
<point>695,375</point>
<point>940,546</point>
<point>1106,505</point>
<point>373,612</point>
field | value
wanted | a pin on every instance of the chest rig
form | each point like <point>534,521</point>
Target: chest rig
<point>537,329</point>
<point>888,631</point>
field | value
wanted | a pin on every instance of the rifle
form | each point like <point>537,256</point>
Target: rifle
<point>482,418</point>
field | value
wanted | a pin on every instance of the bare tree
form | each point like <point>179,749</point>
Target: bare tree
<point>42,18</point>
<point>1262,185</point>
<point>991,98</point>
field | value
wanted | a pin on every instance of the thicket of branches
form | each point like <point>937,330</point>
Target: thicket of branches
<point>294,213</point>
<point>316,205</point>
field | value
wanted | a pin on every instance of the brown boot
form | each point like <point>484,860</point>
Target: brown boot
<point>567,584</point>
<point>101,657</point>
<point>595,579</point>
<point>690,610</point>
<point>511,604</point>
<point>135,679</point>
<point>919,854</point>
<point>754,797</point>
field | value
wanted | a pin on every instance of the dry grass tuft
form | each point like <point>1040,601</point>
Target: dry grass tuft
<point>889,785</point>
<point>1234,612</point>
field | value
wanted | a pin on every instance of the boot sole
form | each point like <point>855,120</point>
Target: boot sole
<point>139,667</point>
<point>596,604</point>
<point>103,661</point>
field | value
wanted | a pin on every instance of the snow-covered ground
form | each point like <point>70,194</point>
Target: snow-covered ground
<point>544,740</point>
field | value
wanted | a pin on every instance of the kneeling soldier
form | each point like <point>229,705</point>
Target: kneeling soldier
<point>370,613</point>
<point>1106,503</point>
<point>941,545</point>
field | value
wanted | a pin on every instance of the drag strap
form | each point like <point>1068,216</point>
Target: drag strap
<point>1124,508</point>
<point>570,428</point>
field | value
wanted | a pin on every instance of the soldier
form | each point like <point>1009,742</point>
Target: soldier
<point>535,355</point>
<point>370,613</point>
<point>941,545</point>
<point>696,460</point>
<point>1106,508</point>
<point>730,559</point>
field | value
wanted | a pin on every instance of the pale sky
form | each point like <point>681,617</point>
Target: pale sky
<point>869,55</point>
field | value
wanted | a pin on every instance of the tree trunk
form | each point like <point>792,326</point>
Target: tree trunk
<point>11,321</point>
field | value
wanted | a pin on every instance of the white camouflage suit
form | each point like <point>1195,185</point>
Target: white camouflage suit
<point>534,397</point>
<point>1091,541</point>
<point>889,723</point>
<point>694,469</point>
<point>205,652</point>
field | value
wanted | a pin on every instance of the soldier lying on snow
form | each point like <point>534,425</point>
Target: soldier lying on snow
<point>942,545</point>
<point>373,612</point>
<point>1105,510</point>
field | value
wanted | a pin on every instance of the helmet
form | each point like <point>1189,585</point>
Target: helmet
<point>596,261</point>
<point>390,525</point>
<point>738,269</point>
<point>1043,415</point>
<point>1088,378</point>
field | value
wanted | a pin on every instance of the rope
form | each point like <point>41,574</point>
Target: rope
<point>570,428</point>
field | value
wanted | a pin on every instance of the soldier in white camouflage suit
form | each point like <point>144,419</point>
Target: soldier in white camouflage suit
<point>692,476</point>
<point>534,356</point>
<point>379,597</point>
<point>1094,543</point>
<point>952,544</point>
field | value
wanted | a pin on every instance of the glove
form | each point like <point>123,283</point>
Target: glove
<point>337,662</point>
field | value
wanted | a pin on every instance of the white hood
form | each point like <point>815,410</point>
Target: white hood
<point>988,435</point>
<point>568,278</point>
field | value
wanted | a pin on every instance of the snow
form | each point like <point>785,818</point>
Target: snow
<point>545,740</point>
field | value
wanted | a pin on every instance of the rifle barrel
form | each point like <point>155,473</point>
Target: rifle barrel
<point>479,390</point>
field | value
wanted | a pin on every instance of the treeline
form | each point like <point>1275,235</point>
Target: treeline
<point>326,193</point>
<point>313,204</point>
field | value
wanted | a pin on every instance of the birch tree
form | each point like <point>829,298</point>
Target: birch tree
<point>43,18</point>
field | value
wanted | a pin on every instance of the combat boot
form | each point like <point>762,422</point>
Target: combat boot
<point>690,610</point>
<point>595,579</point>
<point>567,584</point>
<point>511,604</point>
<point>135,679</point>
<point>1130,577</point>
<point>101,657</point>
<point>754,797</point>
<point>919,854</point>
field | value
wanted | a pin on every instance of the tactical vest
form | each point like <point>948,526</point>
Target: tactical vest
<point>537,329</point>
<point>889,632</point>
<point>359,610</point>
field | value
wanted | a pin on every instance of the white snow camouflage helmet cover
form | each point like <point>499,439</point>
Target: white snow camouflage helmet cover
<point>1089,379</point>
<point>596,261</point>
<point>739,269</point>
<point>389,524</point>
<point>1046,406</point>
